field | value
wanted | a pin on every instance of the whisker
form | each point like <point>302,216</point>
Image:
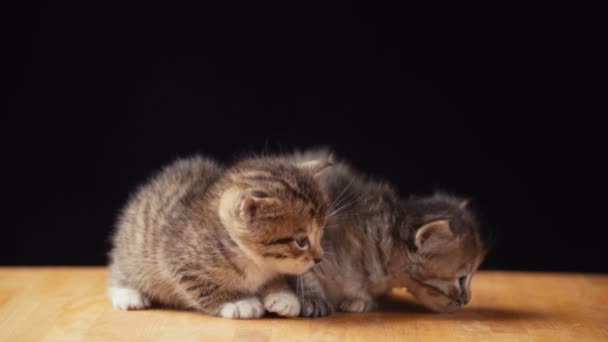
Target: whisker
<point>333,212</point>
<point>334,202</point>
<point>301,286</point>
<point>342,208</point>
<point>342,201</point>
<point>332,226</point>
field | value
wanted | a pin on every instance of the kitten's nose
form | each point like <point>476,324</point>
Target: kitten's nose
<point>463,299</point>
<point>317,255</point>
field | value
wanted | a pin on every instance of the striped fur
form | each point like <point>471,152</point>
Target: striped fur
<point>199,236</point>
<point>376,241</point>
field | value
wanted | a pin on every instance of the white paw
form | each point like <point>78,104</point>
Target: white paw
<point>356,305</point>
<point>283,304</point>
<point>243,309</point>
<point>125,298</point>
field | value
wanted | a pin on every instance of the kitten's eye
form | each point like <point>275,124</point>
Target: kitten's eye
<point>302,243</point>
<point>259,194</point>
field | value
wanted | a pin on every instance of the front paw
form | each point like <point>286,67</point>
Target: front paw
<point>282,303</point>
<point>125,298</point>
<point>316,307</point>
<point>242,309</point>
<point>356,305</point>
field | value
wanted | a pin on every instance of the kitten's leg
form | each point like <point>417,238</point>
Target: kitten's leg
<point>312,296</point>
<point>280,299</point>
<point>214,299</point>
<point>244,308</point>
<point>122,295</point>
<point>357,305</point>
<point>126,298</point>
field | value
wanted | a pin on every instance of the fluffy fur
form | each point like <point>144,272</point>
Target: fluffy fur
<point>198,236</point>
<point>376,241</point>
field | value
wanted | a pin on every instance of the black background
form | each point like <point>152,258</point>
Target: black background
<point>500,102</point>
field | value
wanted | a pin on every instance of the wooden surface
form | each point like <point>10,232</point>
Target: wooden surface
<point>70,304</point>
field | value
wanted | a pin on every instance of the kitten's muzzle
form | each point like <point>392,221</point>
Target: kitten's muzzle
<point>317,255</point>
<point>463,299</point>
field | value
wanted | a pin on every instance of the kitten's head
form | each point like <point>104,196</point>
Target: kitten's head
<point>276,211</point>
<point>443,247</point>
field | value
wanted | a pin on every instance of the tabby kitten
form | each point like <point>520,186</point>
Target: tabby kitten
<point>201,237</point>
<point>375,241</point>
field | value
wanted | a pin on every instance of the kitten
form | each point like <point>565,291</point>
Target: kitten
<point>375,241</point>
<point>201,237</point>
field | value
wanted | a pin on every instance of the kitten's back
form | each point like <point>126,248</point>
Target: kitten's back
<point>136,239</point>
<point>343,183</point>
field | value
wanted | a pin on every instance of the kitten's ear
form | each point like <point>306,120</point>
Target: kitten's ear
<point>433,235</point>
<point>464,204</point>
<point>257,204</point>
<point>316,167</point>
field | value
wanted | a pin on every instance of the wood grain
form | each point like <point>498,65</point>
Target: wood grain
<point>70,304</point>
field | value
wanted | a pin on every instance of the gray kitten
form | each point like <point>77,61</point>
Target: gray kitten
<point>376,241</point>
<point>218,240</point>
